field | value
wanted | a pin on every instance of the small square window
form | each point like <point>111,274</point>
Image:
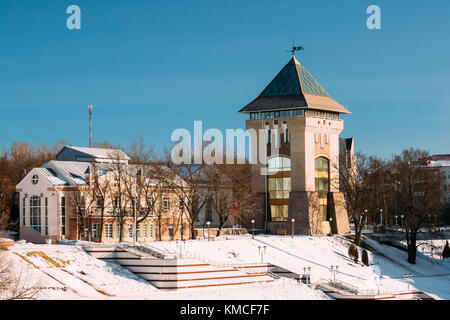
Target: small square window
<point>35,179</point>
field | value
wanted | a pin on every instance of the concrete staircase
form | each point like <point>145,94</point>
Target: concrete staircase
<point>168,271</point>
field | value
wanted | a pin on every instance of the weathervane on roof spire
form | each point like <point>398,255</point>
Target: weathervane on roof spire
<point>294,48</point>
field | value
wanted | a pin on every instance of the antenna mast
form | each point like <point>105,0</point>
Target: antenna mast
<point>90,126</point>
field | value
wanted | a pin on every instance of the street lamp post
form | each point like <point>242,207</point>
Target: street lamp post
<point>261,251</point>
<point>309,276</point>
<point>208,223</point>
<point>381,216</point>
<point>253,229</point>
<point>306,274</point>
<point>333,270</point>
<point>134,221</point>
<point>408,278</point>
<point>402,216</point>
<point>331,226</point>
<point>365,214</point>
<point>396,220</point>
<point>293,220</point>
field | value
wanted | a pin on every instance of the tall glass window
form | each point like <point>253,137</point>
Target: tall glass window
<point>322,180</point>
<point>108,230</point>
<point>152,230</point>
<point>145,230</point>
<point>24,206</point>
<point>46,216</point>
<point>35,213</point>
<point>63,216</point>
<point>279,187</point>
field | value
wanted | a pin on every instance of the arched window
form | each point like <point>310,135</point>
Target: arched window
<point>35,213</point>
<point>322,180</point>
<point>276,164</point>
<point>279,187</point>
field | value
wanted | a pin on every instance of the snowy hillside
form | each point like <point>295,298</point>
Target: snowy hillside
<point>68,272</point>
<point>320,253</point>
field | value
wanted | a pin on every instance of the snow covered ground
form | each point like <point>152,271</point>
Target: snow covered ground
<point>320,253</point>
<point>68,272</point>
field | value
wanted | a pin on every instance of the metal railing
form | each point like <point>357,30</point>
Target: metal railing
<point>348,289</point>
<point>194,255</point>
<point>341,287</point>
<point>273,275</point>
<point>143,248</point>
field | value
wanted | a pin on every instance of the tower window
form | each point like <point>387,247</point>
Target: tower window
<point>279,187</point>
<point>322,181</point>
<point>287,137</point>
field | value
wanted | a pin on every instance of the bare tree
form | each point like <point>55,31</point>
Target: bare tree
<point>188,182</point>
<point>81,200</point>
<point>417,191</point>
<point>101,183</point>
<point>117,190</point>
<point>6,192</point>
<point>352,180</point>
<point>244,202</point>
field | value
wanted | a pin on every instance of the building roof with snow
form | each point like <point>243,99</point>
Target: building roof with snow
<point>438,160</point>
<point>71,153</point>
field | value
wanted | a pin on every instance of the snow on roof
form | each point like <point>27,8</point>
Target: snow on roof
<point>101,152</point>
<point>440,163</point>
<point>51,176</point>
<point>73,171</point>
<point>438,160</point>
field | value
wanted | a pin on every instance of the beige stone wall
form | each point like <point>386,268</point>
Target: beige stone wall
<point>340,223</point>
<point>305,146</point>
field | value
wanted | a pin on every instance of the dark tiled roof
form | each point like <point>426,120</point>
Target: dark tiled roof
<point>293,88</point>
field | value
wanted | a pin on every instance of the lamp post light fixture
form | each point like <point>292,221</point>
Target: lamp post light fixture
<point>333,270</point>
<point>408,278</point>
<point>396,220</point>
<point>261,251</point>
<point>208,223</point>
<point>402,216</point>
<point>306,274</point>
<point>293,220</point>
<point>253,228</point>
<point>381,216</point>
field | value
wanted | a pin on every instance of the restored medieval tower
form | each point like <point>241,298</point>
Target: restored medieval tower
<point>299,179</point>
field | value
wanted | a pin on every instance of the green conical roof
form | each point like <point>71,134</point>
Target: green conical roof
<point>292,88</point>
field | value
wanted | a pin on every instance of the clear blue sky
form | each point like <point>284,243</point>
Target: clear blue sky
<point>149,67</point>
